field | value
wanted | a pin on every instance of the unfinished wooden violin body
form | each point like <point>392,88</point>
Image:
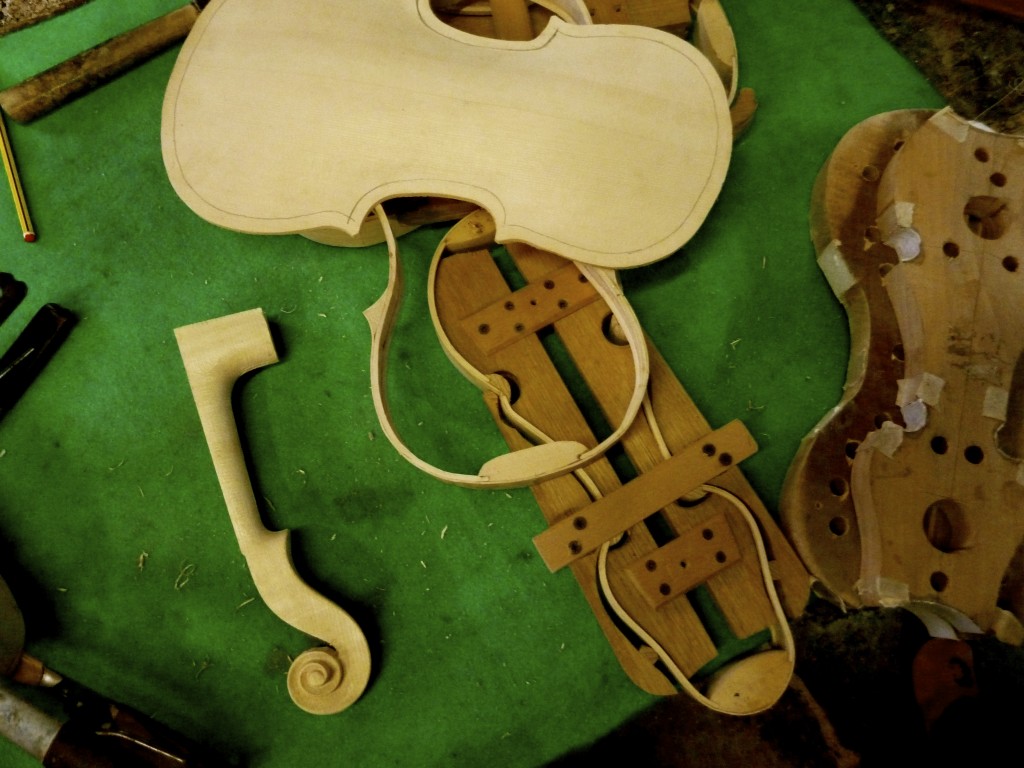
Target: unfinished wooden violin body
<point>592,149</point>
<point>912,490</point>
<point>300,117</point>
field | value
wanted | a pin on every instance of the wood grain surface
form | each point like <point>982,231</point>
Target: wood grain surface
<point>499,123</point>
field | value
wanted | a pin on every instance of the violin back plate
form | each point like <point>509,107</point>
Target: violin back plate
<point>817,508</point>
<point>949,499</point>
<point>910,490</point>
<point>603,143</point>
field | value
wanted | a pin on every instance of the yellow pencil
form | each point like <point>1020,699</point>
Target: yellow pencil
<point>12,178</point>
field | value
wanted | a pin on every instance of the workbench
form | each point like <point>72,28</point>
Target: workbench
<point>113,531</point>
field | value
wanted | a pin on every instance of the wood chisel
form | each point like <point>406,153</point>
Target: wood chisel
<point>94,732</point>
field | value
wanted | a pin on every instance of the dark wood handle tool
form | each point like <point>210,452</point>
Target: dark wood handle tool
<point>97,734</point>
<point>33,348</point>
<point>81,74</point>
<point>93,731</point>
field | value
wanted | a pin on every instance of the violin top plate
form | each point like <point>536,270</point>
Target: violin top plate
<point>603,143</point>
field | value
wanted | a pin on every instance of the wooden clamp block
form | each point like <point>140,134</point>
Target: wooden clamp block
<point>685,562</point>
<point>583,532</point>
<point>532,307</point>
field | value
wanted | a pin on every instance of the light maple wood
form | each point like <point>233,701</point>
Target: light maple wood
<point>216,353</point>
<point>714,38</point>
<point>568,149</point>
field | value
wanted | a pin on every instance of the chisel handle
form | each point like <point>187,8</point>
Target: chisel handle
<point>45,92</point>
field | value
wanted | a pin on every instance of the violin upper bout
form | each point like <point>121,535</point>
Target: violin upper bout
<point>606,144</point>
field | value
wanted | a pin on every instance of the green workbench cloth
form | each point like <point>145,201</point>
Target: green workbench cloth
<point>109,508</point>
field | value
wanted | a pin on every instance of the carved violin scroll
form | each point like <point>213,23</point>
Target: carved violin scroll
<point>215,354</point>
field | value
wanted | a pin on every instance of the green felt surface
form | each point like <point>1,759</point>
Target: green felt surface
<point>107,492</point>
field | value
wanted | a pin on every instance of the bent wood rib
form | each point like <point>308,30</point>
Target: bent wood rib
<point>216,353</point>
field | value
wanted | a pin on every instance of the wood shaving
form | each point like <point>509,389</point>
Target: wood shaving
<point>183,577</point>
